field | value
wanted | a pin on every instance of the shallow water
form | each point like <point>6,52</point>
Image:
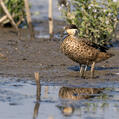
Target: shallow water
<point>18,101</point>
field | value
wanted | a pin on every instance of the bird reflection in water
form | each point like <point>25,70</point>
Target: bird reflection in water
<point>75,94</point>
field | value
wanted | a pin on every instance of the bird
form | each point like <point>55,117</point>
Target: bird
<point>83,51</point>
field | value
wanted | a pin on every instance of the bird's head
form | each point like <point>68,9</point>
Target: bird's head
<point>71,30</point>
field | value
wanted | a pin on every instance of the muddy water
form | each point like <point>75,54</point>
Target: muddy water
<point>18,101</point>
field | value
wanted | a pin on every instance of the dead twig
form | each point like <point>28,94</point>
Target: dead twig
<point>37,78</point>
<point>28,16</point>
<point>50,19</point>
<point>3,19</point>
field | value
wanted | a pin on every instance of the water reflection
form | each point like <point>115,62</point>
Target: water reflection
<point>68,94</point>
<point>84,103</point>
<point>38,94</point>
<point>57,102</point>
<point>36,109</point>
<point>78,93</point>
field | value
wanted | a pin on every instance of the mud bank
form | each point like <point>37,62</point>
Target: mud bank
<point>23,58</point>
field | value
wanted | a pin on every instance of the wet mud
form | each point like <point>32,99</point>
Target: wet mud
<point>21,58</point>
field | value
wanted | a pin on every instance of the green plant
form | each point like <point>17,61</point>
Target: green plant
<point>95,19</point>
<point>15,7</point>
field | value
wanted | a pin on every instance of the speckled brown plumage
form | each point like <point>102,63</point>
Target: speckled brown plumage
<point>78,93</point>
<point>83,51</point>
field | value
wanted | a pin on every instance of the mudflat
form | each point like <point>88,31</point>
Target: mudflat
<point>21,58</point>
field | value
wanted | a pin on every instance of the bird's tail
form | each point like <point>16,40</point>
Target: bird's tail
<point>103,56</point>
<point>110,55</point>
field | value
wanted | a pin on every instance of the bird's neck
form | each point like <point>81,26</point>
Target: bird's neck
<point>73,36</point>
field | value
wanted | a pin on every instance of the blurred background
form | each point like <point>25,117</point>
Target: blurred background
<point>39,10</point>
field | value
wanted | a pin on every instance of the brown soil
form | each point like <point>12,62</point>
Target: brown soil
<point>23,58</point>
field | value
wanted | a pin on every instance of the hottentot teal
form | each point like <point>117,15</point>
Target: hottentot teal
<point>82,50</point>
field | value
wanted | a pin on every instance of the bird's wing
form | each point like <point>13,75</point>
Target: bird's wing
<point>94,45</point>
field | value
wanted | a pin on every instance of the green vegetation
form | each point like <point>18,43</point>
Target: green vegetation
<point>15,7</point>
<point>95,19</point>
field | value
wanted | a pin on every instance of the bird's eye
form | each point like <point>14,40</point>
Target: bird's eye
<point>64,27</point>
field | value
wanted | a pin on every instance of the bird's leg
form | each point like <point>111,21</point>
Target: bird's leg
<point>81,71</point>
<point>85,69</point>
<point>81,68</point>
<point>92,69</point>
